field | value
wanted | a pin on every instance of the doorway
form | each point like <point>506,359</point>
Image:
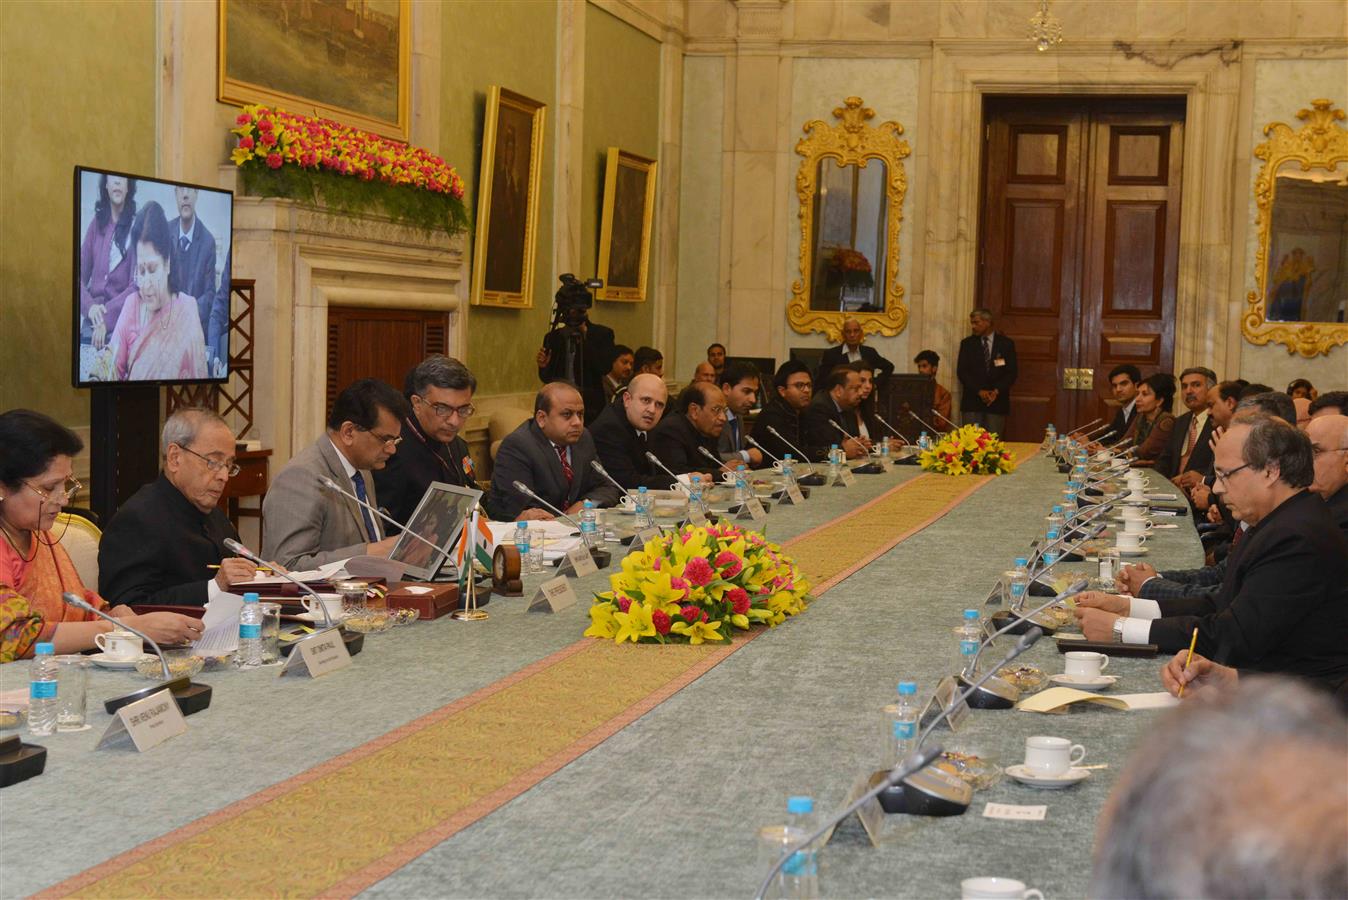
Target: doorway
<point>1079,246</point>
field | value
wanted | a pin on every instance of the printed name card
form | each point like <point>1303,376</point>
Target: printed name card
<point>319,654</point>
<point>1015,812</point>
<point>554,595</point>
<point>870,813</point>
<point>946,692</point>
<point>695,516</point>
<point>147,722</point>
<point>579,562</point>
<point>793,494</point>
<point>639,542</point>
<point>756,510</point>
<point>848,479</point>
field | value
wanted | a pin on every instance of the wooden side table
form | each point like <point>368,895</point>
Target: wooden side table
<point>251,481</point>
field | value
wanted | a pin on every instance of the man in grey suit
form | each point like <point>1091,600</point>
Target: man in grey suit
<point>308,525</point>
<point>194,266</point>
<point>551,453</point>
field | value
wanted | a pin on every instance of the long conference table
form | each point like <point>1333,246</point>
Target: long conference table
<point>462,758</point>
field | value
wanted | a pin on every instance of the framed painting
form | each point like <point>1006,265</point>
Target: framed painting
<point>346,60</point>
<point>508,200</point>
<point>625,226</point>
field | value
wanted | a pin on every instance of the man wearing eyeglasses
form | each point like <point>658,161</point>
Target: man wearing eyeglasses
<point>307,525</point>
<point>698,422</point>
<point>163,544</point>
<point>440,390</point>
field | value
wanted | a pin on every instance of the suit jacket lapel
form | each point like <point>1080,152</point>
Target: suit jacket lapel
<point>338,474</point>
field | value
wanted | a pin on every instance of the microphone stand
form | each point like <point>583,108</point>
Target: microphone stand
<point>938,415</point>
<point>598,467</point>
<point>601,557</point>
<point>190,696</point>
<point>813,479</point>
<point>934,431</point>
<point>701,501</point>
<point>715,459</point>
<point>781,497</point>
<point>867,468</point>
<point>997,692</point>
<point>739,508</point>
<point>334,486</point>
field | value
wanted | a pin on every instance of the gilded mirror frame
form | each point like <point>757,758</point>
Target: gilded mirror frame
<point>851,141</point>
<point>1321,143</point>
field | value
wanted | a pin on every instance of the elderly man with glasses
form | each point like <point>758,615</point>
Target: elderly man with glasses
<point>440,390</point>
<point>163,544</point>
<point>308,525</point>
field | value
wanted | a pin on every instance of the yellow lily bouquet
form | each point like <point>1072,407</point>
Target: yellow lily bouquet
<point>696,585</point>
<point>969,450</point>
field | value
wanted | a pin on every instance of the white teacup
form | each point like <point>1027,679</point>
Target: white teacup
<point>1137,526</point>
<point>119,644</point>
<point>1085,664</point>
<point>1134,512</point>
<point>993,888</point>
<point>1127,540</point>
<point>627,502</point>
<point>332,601</point>
<point>1046,755</point>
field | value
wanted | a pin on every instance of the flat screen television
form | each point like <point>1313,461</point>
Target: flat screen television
<point>152,270</point>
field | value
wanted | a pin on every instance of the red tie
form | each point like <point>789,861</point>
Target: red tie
<point>566,466</point>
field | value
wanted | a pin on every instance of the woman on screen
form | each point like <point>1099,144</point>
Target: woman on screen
<point>158,335</point>
<point>107,258</point>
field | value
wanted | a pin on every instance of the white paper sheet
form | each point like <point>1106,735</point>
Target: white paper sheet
<point>220,634</point>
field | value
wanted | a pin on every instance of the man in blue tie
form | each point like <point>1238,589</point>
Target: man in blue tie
<point>308,525</point>
<point>739,381</point>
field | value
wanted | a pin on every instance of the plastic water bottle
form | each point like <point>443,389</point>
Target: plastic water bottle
<point>695,494</point>
<point>1020,583</point>
<point>788,470</point>
<point>969,635</point>
<point>1050,555</point>
<point>798,878</point>
<point>1056,519</point>
<point>901,724</point>
<point>835,465</point>
<point>741,484</point>
<point>522,540</point>
<point>642,505</point>
<point>884,449</point>
<point>42,701</point>
<point>1050,437</point>
<point>923,441</point>
<point>250,652</point>
<point>589,524</point>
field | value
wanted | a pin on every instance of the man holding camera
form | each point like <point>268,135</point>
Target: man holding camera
<point>577,350</point>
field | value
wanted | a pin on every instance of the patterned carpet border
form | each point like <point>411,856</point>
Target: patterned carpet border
<point>137,872</point>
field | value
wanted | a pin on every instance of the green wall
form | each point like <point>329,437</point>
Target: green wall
<point>622,109</point>
<point>58,63</point>
<point>512,43</point>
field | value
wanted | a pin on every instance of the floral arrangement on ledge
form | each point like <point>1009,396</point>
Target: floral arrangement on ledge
<point>849,268</point>
<point>696,586</point>
<point>969,450</point>
<point>280,154</point>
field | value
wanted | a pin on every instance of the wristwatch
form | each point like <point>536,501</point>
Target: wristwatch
<point>1118,630</point>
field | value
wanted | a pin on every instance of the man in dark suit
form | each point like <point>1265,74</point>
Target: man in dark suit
<point>853,350</point>
<point>621,434</point>
<point>551,453</point>
<point>986,369</point>
<point>739,382</point>
<point>837,405</point>
<point>1187,455</point>
<point>1283,603</point>
<point>1123,384</point>
<point>581,353</point>
<point>440,390</point>
<point>194,268</point>
<point>161,544</point>
<point>1329,445</point>
<point>786,413</point>
<point>697,422</point>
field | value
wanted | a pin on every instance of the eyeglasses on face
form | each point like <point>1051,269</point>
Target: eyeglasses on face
<point>1225,477</point>
<point>228,466</point>
<point>444,411</point>
<point>69,488</point>
<point>382,438</point>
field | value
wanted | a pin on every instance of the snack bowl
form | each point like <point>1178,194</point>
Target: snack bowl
<point>369,621</point>
<point>180,663</point>
<point>404,616</point>
<point>976,769</point>
<point>1026,677</point>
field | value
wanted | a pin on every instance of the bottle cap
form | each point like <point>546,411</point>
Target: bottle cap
<point>971,614</point>
<point>44,649</point>
<point>835,446</point>
<point>786,456</point>
<point>589,504</point>
<point>1022,561</point>
<point>798,806</point>
<point>521,524</point>
<point>907,687</point>
<point>641,489</point>
<point>250,597</point>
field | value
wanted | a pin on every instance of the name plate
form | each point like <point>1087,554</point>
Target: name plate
<point>318,654</point>
<point>870,814</point>
<point>579,562</point>
<point>147,722</point>
<point>695,516</point>
<point>848,479</point>
<point>946,692</point>
<point>553,595</point>
<point>643,536</point>
<point>794,495</point>
<point>1015,812</point>
<point>752,510</point>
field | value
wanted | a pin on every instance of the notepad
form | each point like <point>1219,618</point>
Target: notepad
<point>1058,699</point>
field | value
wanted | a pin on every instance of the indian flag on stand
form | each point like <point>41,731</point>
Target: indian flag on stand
<point>482,545</point>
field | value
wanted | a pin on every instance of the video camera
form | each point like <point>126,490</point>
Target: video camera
<point>573,298</point>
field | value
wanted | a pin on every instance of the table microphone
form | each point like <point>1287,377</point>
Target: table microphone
<point>935,431</point>
<point>867,468</point>
<point>916,761</point>
<point>937,413</point>
<point>598,467</point>
<point>191,697</point>
<point>892,430</point>
<point>998,693</point>
<point>334,486</point>
<point>814,477</point>
<point>701,501</point>
<point>764,450</point>
<point>714,458</point>
<point>240,550</point>
<point>528,492</point>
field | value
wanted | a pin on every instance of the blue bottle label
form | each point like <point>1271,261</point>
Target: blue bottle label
<point>1017,590</point>
<point>968,648</point>
<point>905,731</point>
<point>250,632</point>
<point>42,690</point>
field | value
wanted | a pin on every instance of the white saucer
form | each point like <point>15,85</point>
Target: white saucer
<point>317,618</point>
<point>110,662</point>
<point>1072,776</point>
<point>1100,682</point>
<point>1136,551</point>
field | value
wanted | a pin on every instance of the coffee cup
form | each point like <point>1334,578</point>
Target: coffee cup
<point>332,601</point>
<point>1137,526</point>
<point>1084,664</point>
<point>777,465</point>
<point>994,888</point>
<point>119,644</point>
<point>1134,512</point>
<point>1126,540</point>
<point>728,477</point>
<point>1046,755</point>
<point>627,503</point>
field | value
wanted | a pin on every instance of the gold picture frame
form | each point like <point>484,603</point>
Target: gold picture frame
<point>317,36</point>
<point>1320,143</point>
<point>506,237</point>
<point>624,253</point>
<point>850,142</point>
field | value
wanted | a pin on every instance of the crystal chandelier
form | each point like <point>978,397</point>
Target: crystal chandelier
<point>1045,29</point>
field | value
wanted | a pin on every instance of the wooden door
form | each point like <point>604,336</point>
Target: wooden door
<point>380,343</point>
<point>1080,243</point>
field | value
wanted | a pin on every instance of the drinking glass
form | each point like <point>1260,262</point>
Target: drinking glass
<point>271,633</point>
<point>71,692</point>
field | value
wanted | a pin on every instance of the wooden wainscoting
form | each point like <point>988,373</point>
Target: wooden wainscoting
<point>373,342</point>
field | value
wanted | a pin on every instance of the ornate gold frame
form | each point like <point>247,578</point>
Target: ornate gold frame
<point>242,93</point>
<point>498,97</point>
<point>617,159</point>
<point>851,141</point>
<point>1322,143</point>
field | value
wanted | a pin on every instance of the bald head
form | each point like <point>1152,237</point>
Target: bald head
<point>559,413</point>
<point>1329,443</point>
<point>645,401</point>
<point>851,332</point>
